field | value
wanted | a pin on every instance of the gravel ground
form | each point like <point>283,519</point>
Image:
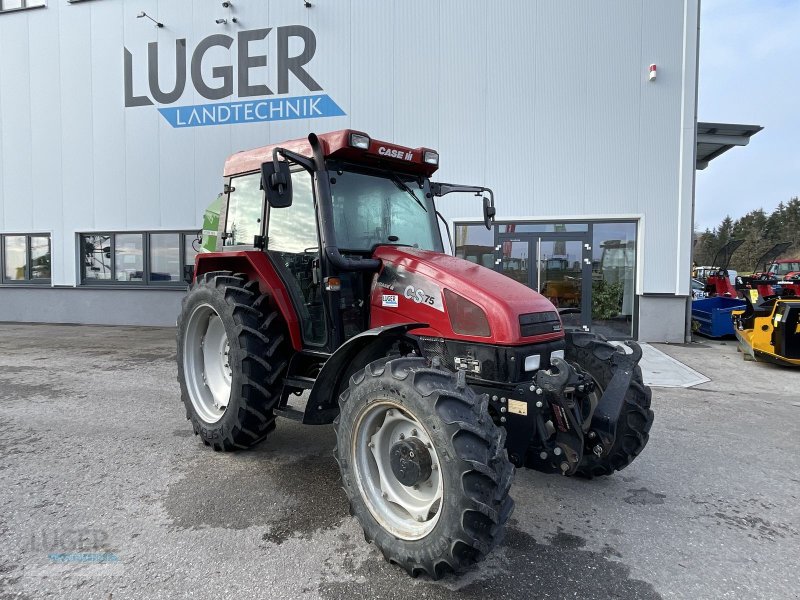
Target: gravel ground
<point>105,492</point>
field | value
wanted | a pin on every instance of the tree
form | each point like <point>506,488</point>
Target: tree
<point>759,232</point>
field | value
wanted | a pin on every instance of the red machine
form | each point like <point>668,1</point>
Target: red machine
<point>718,283</point>
<point>438,374</point>
<point>770,264</point>
<point>774,276</point>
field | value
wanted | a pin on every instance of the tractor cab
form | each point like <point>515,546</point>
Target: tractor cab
<point>320,208</point>
<point>767,264</point>
<point>784,269</point>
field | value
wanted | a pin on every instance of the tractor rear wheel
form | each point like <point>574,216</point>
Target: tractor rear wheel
<point>423,465</point>
<point>593,354</point>
<point>231,353</point>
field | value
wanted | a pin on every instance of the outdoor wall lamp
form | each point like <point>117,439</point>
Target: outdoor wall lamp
<point>229,6</point>
<point>145,15</point>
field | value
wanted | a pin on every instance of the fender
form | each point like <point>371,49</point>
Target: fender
<point>323,401</point>
<point>256,265</point>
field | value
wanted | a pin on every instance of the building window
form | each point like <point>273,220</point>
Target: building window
<point>25,258</point>
<point>613,278</point>
<point>96,257</point>
<point>140,258</point>
<point>165,257</point>
<point>8,5</point>
<point>590,266</point>
<point>129,257</point>
<point>475,243</point>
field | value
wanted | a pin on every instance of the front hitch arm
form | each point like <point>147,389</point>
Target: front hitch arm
<point>551,385</point>
<point>608,409</point>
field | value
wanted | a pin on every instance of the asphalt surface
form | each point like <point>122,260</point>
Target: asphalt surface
<point>105,492</point>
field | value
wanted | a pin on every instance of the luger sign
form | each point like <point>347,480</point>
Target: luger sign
<point>256,101</point>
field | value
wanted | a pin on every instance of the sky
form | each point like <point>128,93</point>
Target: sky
<point>750,73</point>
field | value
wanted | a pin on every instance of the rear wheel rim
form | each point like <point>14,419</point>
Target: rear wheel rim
<point>206,363</point>
<point>407,512</point>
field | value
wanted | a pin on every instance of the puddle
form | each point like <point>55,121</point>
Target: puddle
<point>521,568</point>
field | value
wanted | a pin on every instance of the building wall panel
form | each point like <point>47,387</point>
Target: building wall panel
<point>109,182</point>
<point>77,141</point>
<point>462,98</point>
<point>614,74</point>
<point>660,144</point>
<point>15,95</point>
<point>46,172</point>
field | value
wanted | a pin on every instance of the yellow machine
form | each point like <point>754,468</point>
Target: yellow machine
<point>769,329</point>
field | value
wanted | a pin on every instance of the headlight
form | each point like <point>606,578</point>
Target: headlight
<point>431,157</point>
<point>532,362</point>
<point>466,318</point>
<point>359,140</point>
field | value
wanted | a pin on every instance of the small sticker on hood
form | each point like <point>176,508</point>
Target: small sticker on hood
<point>389,300</point>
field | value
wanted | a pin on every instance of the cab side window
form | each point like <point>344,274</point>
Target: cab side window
<point>245,210</point>
<point>293,245</point>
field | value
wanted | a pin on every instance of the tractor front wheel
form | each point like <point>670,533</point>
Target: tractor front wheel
<point>423,465</point>
<point>594,354</point>
<point>231,353</point>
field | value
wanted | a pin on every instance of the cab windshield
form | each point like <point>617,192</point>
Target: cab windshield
<point>371,210</point>
<point>784,268</point>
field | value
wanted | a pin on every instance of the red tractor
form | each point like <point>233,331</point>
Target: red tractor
<point>718,281</point>
<point>773,276</point>
<point>440,376</point>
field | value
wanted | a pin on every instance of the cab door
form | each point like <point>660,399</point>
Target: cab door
<point>292,244</point>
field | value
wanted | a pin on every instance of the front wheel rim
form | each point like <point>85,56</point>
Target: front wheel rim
<point>408,512</point>
<point>206,363</point>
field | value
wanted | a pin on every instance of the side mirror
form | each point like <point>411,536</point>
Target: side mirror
<point>489,212</point>
<point>276,181</point>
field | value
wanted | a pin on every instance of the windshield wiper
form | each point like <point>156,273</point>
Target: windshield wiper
<point>401,184</point>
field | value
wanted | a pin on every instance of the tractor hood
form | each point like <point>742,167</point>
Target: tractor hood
<point>421,286</point>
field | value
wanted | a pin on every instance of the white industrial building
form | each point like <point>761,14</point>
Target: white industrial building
<point>116,117</point>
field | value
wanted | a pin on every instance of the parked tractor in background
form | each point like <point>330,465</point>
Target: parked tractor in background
<point>326,273</point>
<point>785,268</point>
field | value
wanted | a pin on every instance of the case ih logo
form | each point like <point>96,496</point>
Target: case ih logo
<point>395,153</point>
<point>263,106</point>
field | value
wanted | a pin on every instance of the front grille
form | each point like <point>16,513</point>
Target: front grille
<point>539,323</point>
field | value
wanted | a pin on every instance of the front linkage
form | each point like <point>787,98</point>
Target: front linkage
<point>573,410</point>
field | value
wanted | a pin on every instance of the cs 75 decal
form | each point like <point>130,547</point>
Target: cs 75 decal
<point>418,296</point>
<point>412,286</point>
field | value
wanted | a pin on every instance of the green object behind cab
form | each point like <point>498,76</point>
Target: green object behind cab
<point>211,226</point>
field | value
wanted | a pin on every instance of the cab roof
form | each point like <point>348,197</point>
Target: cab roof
<point>337,145</point>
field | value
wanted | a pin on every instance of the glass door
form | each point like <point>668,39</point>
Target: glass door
<point>514,260</point>
<point>558,267</point>
<point>563,276</point>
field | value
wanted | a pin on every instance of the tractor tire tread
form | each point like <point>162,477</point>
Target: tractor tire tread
<point>477,453</point>
<point>594,354</point>
<point>261,360</point>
